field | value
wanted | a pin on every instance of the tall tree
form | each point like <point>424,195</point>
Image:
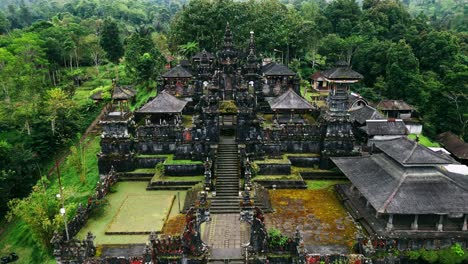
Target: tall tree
<point>143,61</point>
<point>344,16</point>
<point>403,80</point>
<point>110,41</point>
<point>4,23</point>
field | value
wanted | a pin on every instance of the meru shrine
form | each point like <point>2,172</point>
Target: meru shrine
<point>231,129</point>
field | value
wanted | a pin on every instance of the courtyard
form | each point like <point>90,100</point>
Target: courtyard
<point>318,213</point>
<point>131,213</point>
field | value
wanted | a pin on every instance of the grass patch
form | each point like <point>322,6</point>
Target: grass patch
<point>182,162</point>
<point>305,155</point>
<point>141,214</point>
<point>153,156</point>
<point>297,170</point>
<point>283,160</point>
<point>187,121</point>
<point>291,177</point>
<point>177,178</point>
<point>16,237</point>
<point>145,170</point>
<point>425,141</point>
<point>98,223</point>
<point>171,161</point>
<point>323,184</point>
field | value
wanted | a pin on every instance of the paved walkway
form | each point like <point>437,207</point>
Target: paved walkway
<point>226,231</point>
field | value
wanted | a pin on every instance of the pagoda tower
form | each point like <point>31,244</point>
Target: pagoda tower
<point>338,136</point>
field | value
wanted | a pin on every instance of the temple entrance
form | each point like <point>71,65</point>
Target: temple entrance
<point>228,125</point>
<point>226,234</point>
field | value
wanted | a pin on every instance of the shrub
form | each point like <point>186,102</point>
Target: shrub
<point>276,239</point>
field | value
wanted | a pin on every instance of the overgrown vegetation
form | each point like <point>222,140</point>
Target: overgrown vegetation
<point>39,212</point>
<point>452,255</point>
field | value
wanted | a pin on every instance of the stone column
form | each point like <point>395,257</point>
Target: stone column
<point>351,188</point>
<point>414,225</point>
<point>390,222</point>
<point>440,225</point>
<point>465,224</point>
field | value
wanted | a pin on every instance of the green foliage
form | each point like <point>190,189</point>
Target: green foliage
<point>159,170</point>
<point>40,211</point>
<point>189,49</point>
<point>110,41</point>
<point>276,239</point>
<point>228,107</point>
<point>454,254</point>
<point>143,61</point>
<point>429,256</point>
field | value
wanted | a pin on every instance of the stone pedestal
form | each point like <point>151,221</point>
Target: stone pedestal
<point>414,225</point>
<point>390,223</point>
<point>440,225</point>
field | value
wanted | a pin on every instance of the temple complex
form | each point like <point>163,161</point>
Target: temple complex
<point>230,149</point>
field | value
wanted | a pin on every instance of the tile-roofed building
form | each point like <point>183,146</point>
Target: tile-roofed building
<point>177,72</point>
<point>162,104</point>
<point>198,57</point>
<point>290,101</point>
<point>409,153</point>
<point>395,108</point>
<point>405,188</point>
<point>384,127</point>
<point>342,72</point>
<point>457,147</point>
<point>360,115</point>
<point>276,69</point>
<point>356,101</point>
<point>123,93</point>
<point>390,189</point>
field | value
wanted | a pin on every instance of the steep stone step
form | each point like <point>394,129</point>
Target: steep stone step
<point>227,179</point>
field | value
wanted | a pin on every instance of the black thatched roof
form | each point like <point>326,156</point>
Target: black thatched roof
<point>290,101</point>
<point>360,115</point>
<point>385,127</point>
<point>342,73</point>
<point>177,72</point>
<point>199,55</point>
<point>386,105</point>
<point>123,93</point>
<point>393,189</point>
<point>96,96</point>
<point>454,145</point>
<point>118,93</point>
<point>354,98</point>
<point>275,69</point>
<point>163,103</point>
<point>409,153</point>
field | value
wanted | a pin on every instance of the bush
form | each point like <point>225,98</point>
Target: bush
<point>429,256</point>
<point>276,239</point>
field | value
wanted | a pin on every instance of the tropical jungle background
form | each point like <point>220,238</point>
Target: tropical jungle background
<point>55,53</point>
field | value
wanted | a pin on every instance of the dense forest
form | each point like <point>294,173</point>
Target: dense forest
<point>411,50</point>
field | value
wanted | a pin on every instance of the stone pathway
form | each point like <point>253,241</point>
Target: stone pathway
<point>226,231</point>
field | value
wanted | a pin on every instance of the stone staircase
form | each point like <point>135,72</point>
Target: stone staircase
<point>227,179</point>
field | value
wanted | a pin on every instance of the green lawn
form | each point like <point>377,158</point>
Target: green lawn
<point>177,178</point>
<point>100,221</point>
<point>290,177</point>
<point>140,213</point>
<point>425,141</point>
<point>323,184</point>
